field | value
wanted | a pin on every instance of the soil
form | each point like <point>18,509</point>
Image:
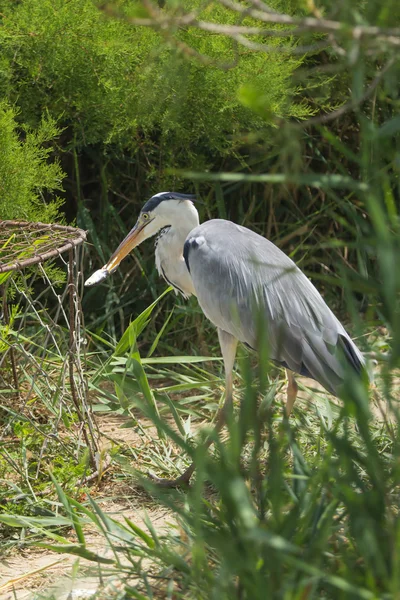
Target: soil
<point>33,571</point>
<point>30,572</point>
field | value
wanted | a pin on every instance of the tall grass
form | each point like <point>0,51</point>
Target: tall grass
<point>304,507</point>
<point>298,508</point>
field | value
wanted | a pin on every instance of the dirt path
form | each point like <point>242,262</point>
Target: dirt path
<point>30,572</point>
<point>35,570</point>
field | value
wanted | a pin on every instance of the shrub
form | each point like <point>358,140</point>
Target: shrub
<point>27,177</point>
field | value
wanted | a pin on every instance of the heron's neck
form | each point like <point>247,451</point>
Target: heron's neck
<point>169,255</point>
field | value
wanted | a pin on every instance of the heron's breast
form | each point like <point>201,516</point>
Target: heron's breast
<point>171,266</point>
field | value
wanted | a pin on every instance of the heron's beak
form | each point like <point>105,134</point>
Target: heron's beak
<point>133,239</point>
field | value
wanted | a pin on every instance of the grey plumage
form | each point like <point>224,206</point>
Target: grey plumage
<point>254,283</point>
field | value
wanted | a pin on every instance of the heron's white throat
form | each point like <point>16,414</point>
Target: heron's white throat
<point>169,250</point>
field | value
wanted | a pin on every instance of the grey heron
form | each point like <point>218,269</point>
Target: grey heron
<point>238,275</point>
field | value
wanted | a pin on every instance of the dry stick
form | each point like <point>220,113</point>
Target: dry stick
<point>298,25</point>
<point>71,287</point>
<point>11,349</point>
<point>39,225</point>
<point>256,47</point>
<point>98,474</point>
<point>11,582</point>
<point>313,23</point>
<point>92,425</point>
<point>38,258</point>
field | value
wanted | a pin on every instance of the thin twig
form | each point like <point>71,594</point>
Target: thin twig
<point>72,338</point>
<point>352,104</point>
<point>313,23</point>
<point>297,25</point>
<point>98,474</point>
<point>256,47</point>
<point>77,237</point>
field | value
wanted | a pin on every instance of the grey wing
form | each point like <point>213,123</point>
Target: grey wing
<point>244,282</point>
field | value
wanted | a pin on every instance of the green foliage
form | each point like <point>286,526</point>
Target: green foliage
<point>304,508</point>
<point>129,106</point>
<point>111,83</point>
<point>25,173</point>
<point>6,329</point>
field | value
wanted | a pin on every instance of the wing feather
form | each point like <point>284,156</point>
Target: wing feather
<point>244,282</point>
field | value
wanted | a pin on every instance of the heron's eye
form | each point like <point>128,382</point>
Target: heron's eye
<point>145,216</point>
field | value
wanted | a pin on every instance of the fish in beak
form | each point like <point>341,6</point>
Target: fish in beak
<point>133,239</point>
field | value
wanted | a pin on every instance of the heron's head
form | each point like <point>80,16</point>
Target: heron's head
<point>162,210</point>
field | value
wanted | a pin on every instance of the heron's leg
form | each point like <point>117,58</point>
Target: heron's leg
<point>228,348</point>
<point>228,345</point>
<point>292,390</point>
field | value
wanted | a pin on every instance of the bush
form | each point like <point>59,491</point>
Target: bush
<point>27,178</point>
<point>111,83</point>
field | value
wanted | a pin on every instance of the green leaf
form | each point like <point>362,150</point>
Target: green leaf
<point>135,328</point>
<point>178,360</point>
<point>69,510</point>
<point>175,414</point>
<point>80,551</point>
<point>312,179</point>
<point>148,540</point>
<point>389,128</point>
<point>159,335</point>
<point>34,522</point>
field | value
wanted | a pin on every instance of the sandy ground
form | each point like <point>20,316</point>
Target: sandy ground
<point>33,573</point>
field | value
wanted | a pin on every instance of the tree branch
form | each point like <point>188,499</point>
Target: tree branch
<point>297,25</point>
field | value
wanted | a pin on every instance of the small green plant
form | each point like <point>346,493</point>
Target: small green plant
<point>26,175</point>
